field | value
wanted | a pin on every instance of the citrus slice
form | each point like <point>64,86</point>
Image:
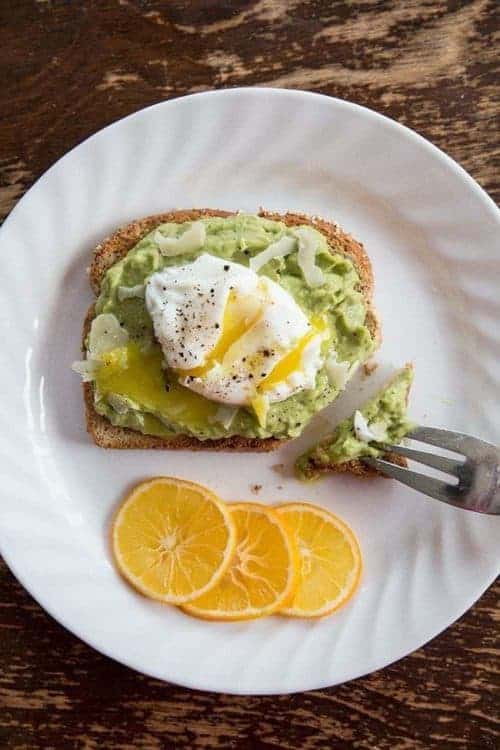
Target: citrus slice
<point>262,573</point>
<point>172,539</point>
<point>330,560</point>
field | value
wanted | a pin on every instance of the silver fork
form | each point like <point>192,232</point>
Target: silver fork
<point>477,471</point>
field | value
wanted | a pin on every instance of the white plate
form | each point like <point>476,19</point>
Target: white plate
<point>433,237</point>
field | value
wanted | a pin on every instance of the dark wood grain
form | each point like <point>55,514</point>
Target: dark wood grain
<point>69,68</point>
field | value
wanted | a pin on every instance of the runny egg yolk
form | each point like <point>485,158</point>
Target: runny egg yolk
<point>238,319</point>
<point>128,371</point>
<point>291,362</point>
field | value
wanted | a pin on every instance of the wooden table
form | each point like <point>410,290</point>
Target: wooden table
<point>68,69</point>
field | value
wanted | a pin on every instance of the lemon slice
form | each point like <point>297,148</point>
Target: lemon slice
<point>172,539</point>
<point>330,560</point>
<point>262,573</point>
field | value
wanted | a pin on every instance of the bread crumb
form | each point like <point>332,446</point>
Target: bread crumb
<point>255,488</point>
<point>370,367</point>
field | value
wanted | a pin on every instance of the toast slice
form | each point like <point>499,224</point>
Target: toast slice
<point>317,460</point>
<point>115,247</point>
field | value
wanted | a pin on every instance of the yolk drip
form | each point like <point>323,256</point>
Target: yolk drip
<point>291,362</point>
<point>128,371</point>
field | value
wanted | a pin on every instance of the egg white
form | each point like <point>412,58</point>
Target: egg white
<point>187,305</point>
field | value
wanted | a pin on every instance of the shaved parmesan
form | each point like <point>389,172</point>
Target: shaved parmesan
<point>337,372</point>
<point>278,249</point>
<point>379,431</point>
<point>106,333</point>
<point>308,245</point>
<point>225,416</point>
<point>127,292</point>
<point>367,432</point>
<point>192,239</point>
<point>86,368</point>
<point>361,429</point>
<point>121,404</point>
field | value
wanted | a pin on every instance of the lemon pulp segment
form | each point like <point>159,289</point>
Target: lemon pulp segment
<point>330,559</point>
<point>261,574</point>
<point>172,539</point>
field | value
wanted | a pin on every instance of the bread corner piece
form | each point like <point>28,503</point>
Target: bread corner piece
<point>115,247</point>
<point>311,469</point>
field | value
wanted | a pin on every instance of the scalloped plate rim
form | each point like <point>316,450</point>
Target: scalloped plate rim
<point>459,172</point>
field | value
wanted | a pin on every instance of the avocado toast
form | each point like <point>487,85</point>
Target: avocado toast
<point>381,420</point>
<point>125,261</point>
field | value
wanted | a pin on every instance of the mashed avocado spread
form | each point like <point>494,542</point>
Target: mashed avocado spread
<point>132,388</point>
<point>385,414</point>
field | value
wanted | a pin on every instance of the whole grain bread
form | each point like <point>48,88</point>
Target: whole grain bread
<point>357,466</point>
<point>115,247</point>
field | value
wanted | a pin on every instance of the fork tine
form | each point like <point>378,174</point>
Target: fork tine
<point>447,439</point>
<point>448,465</point>
<point>428,485</point>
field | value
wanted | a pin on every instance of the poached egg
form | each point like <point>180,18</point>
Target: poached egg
<point>233,336</point>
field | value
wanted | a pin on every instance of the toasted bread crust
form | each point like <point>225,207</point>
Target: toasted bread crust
<point>358,467</point>
<point>115,247</point>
